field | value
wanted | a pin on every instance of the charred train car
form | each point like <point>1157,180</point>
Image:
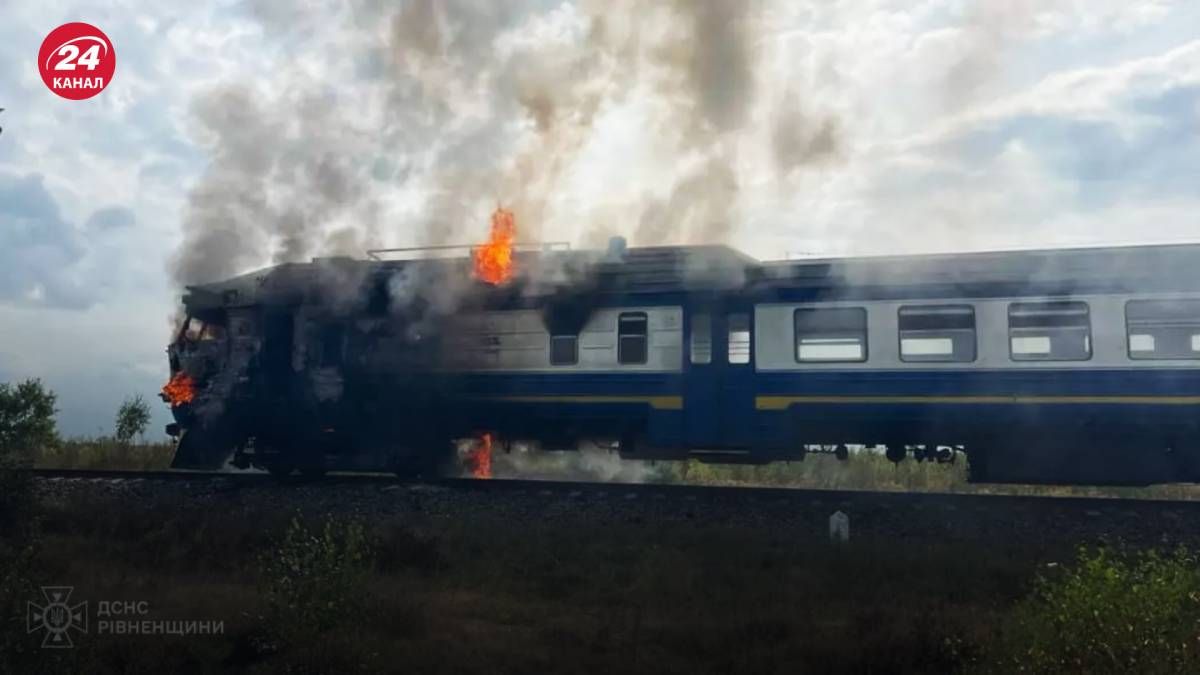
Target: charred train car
<point>1056,366</point>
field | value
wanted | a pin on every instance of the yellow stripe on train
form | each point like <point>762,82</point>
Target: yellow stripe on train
<point>784,402</point>
<point>656,402</point>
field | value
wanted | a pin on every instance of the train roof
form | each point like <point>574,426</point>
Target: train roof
<point>1115,268</point>
<point>687,269</point>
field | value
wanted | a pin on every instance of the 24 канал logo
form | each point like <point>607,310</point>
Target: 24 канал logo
<point>77,60</point>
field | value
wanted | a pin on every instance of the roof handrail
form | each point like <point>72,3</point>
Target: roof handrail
<point>374,253</point>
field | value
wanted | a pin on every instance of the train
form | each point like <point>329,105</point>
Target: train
<point>1052,366</point>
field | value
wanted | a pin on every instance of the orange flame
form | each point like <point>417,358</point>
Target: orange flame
<point>494,260</point>
<point>479,460</point>
<point>181,389</point>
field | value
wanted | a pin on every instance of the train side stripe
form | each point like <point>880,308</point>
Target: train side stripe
<point>656,402</point>
<point>784,402</point>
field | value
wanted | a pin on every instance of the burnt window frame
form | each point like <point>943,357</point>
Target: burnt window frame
<point>866,333</point>
<point>645,335</point>
<point>1091,347</point>
<point>192,329</point>
<point>574,337</point>
<point>919,359</point>
<point>1128,334</point>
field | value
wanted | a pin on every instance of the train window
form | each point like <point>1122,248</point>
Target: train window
<point>193,328</point>
<point>1049,331</point>
<point>739,338</point>
<point>1163,329</point>
<point>631,337</point>
<point>701,338</point>
<point>212,331</point>
<point>564,350</point>
<point>831,334</point>
<point>937,333</point>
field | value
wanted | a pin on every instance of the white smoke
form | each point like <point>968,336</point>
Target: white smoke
<point>621,117</point>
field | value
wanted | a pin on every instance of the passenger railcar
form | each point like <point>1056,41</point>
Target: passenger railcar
<point>1057,366</point>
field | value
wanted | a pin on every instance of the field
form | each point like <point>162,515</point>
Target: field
<point>304,579</point>
<point>486,582</point>
<point>613,598</point>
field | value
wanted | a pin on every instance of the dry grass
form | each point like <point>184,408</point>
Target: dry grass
<point>869,470</point>
<point>106,453</point>
<point>865,470</point>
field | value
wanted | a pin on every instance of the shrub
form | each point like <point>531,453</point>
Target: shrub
<point>1111,612</point>
<point>132,418</point>
<point>316,578</point>
<point>26,425</point>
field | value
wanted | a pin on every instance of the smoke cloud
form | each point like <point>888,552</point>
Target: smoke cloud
<point>989,32</point>
<point>589,462</point>
<point>589,120</point>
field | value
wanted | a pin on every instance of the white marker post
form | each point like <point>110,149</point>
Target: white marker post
<point>839,527</point>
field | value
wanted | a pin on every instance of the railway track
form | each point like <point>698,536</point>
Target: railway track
<point>1051,524</point>
<point>548,488</point>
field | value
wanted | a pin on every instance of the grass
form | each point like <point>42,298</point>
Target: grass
<point>864,470</point>
<point>106,452</point>
<point>869,470</point>
<point>434,595</point>
<point>470,597</point>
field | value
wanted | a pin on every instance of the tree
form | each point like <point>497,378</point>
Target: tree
<point>26,419</point>
<point>132,418</point>
<point>26,426</point>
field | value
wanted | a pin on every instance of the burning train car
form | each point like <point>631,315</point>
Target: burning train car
<point>1064,366</point>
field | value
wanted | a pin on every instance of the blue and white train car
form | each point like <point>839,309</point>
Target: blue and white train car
<point>1055,366</point>
<point>1066,366</point>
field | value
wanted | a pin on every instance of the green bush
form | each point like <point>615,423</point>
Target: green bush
<point>26,425</point>
<point>316,578</point>
<point>1110,612</point>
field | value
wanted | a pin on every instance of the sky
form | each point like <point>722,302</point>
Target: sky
<point>240,133</point>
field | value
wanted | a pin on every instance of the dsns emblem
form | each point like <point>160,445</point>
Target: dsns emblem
<point>57,617</point>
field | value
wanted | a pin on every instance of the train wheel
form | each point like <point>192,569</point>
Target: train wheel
<point>203,448</point>
<point>312,471</point>
<point>280,470</point>
<point>977,464</point>
<point>422,462</point>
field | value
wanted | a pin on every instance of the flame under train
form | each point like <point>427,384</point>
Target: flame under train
<point>1056,366</point>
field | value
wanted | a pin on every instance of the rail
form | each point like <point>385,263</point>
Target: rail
<point>554,487</point>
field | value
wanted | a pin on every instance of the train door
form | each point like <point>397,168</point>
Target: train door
<point>719,394</point>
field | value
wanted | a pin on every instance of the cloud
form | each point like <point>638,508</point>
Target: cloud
<point>111,218</point>
<point>39,251</point>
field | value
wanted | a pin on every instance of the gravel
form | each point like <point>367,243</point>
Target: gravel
<point>1043,522</point>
